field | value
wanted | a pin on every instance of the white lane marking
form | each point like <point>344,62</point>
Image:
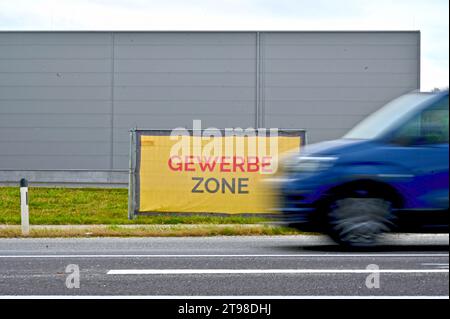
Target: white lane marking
<point>215,297</point>
<point>222,256</point>
<point>437,265</point>
<point>264,271</point>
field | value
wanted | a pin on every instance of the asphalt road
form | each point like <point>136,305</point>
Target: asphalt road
<point>404,265</point>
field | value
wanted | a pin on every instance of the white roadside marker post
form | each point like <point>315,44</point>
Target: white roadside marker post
<point>25,218</point>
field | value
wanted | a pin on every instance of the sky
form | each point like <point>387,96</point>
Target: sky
<point>431,17</point>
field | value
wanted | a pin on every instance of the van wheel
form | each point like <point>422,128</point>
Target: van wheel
<point>358,222</point>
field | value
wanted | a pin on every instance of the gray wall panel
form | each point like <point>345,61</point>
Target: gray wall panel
<point>66,52</point>
<point>78,106</point>
<point>54,134</point>
<point>55,100</point>
<point>121,160</point>
<point>55,162</point>
<point>333,94</point>
<point>68,99</point>
<point>52,93</point>
<point>167,80</point>
<point>184,93</point>
<point>327,82</point>
<point>55,120</point>
<point>185,38</point>
<point>184,66</point>
<point>205,79</point>
<point>321,107</point>
<point>55,65</point>
<point>341,52</point>
<point>179,107</point>
<point>341,80</point>
<point>341,66</point>
<point>164,121</point>
<point>55,79</point>
<point>32,148</point>
<point>187,52</point>
<point>341,38</point>
<point>55,38</point>
<point>317,122</point>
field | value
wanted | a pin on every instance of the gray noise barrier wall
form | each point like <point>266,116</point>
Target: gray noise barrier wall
<point>68,99</point>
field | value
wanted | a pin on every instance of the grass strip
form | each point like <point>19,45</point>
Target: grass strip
<point>88,206</point>
<point>49,231</point>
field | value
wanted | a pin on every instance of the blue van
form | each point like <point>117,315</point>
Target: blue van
<point>389,173</point>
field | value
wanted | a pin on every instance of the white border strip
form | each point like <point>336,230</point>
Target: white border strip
<point>219,297</point>
<point>266,271</point>
<point>223,255</point>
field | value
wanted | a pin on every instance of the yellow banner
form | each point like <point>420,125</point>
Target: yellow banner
<point>211,176</point>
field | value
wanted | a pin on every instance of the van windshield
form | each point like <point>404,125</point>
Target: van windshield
<point>389,115</point>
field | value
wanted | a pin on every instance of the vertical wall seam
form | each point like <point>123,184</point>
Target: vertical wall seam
<point>262,110</point>
<point>419,63</point>
<point>257,85</point>
<point>111,163</point>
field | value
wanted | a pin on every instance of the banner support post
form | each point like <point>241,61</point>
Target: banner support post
<point>131,178</point>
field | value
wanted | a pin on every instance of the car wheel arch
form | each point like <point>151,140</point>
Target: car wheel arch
<point>373,188</point>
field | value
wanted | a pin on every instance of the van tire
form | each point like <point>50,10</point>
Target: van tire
<point>358,222</point>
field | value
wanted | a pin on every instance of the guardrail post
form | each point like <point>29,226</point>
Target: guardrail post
<point>24,211</point>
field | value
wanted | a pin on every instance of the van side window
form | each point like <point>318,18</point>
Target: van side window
<point>429,127</point>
